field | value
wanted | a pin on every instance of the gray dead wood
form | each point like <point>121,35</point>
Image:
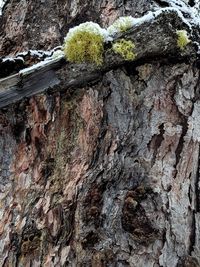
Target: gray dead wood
<point>154,38</point>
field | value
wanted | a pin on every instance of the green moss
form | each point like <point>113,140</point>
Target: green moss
<point>122,24</point>
<point>182,39</point>
<point>85,43</point>
<point>125,49</point>
<point>85,47</point>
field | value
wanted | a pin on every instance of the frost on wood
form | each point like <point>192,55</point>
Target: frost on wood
<point>2,3</point>
<point>160,30</point>
<point>26,59</point>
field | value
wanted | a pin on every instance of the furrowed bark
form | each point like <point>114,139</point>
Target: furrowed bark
<point>102,169</point>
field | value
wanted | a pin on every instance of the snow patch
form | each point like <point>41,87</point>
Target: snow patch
<point>39,65</point>
<point>122,24</point>
<point>191,12</point>
<point>131,22</point>
<point>12,59</point>
<point>2,3</point>
<point>8,59</point>
<point>34,67</point>
<point>58,54</point>
<point>40,53</point>
<point>87,27</point>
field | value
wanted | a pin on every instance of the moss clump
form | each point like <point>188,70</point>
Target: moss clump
<point>85,43</point>
<point>122,24</point>
<point>182,39</point>
<point>85,47</point>
<point>125,49</point>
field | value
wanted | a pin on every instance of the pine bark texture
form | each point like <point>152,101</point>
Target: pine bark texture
<point>101,175</point>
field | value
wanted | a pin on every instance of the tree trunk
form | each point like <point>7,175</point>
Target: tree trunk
<point>105,174</point>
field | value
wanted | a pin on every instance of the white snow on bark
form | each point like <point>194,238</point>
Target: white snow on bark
<point>189,15</point>
<point>186,9</point>
<point>40,65</point>
<point>2,3</point>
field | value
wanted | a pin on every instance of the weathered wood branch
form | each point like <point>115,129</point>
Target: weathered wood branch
<point>153,38</point>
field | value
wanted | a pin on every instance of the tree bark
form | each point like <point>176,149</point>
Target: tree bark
<point>106,173</point>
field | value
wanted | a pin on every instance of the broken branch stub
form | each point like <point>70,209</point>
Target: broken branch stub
<point>153,38</point>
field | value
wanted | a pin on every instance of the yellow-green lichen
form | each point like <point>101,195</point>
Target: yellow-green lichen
<point>125,49</point>
<point>85,43</point>
<point>122,24</point>
<point>182,39</point>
